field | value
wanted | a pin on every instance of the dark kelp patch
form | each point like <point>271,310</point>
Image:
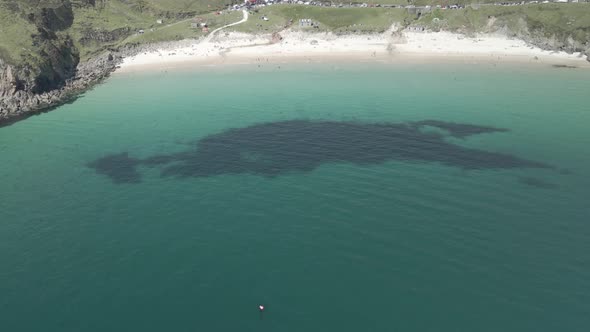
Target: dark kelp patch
<point>537,183</point>
<point>119,167</point>
<point>272,149</point>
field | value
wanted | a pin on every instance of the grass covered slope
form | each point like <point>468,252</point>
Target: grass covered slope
<point>101,24</point>
<point>15,34</point>
<point>50,50</point>
<point>97,24</point>
<point>338,20</point>
<point>550,26</point>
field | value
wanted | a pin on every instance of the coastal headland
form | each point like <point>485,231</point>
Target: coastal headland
<point>51,53</point>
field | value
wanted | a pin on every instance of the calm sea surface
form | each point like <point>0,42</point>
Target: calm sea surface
<point>344,198</point>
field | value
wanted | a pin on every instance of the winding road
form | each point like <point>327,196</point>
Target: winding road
<point>212,34</point>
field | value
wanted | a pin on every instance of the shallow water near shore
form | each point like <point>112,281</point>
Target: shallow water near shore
<point>342,197</point>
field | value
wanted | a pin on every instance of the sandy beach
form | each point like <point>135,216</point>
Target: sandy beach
<point>391,46</point>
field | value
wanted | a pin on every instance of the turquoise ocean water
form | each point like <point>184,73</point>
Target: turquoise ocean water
<point>344,198</point>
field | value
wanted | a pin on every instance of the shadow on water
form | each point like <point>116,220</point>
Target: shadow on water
<point>272,149</point>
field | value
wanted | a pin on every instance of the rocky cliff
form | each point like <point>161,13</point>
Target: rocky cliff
<point>49,71</point>
<point>52,73</point>
<point>536,34</point>
<point>18,100</point>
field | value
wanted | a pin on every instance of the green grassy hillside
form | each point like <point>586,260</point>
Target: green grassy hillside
<point>98,24</point>
<point>339,20</point>
<point>555,25</point>
<point>15,33</point>
<point>564,23</point>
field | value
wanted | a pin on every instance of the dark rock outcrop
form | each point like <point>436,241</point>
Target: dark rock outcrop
<point>59,59</point>
<point>57,18</point>
<point>555,43</point>
<point>17,101</point>
<point>97,36</point>
<point>42,81</point>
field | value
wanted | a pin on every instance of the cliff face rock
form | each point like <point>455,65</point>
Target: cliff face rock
<point>55,57</point>
<point>555,43</point>
<point>17,101</point>
<point>59,61</point>
<point>551,38</point>
<point>88,3</point>
<point>42,80</point>
<point>9,83</point>
<point>96,36</point>
<point>20,83</point>
<point>55,18</point>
